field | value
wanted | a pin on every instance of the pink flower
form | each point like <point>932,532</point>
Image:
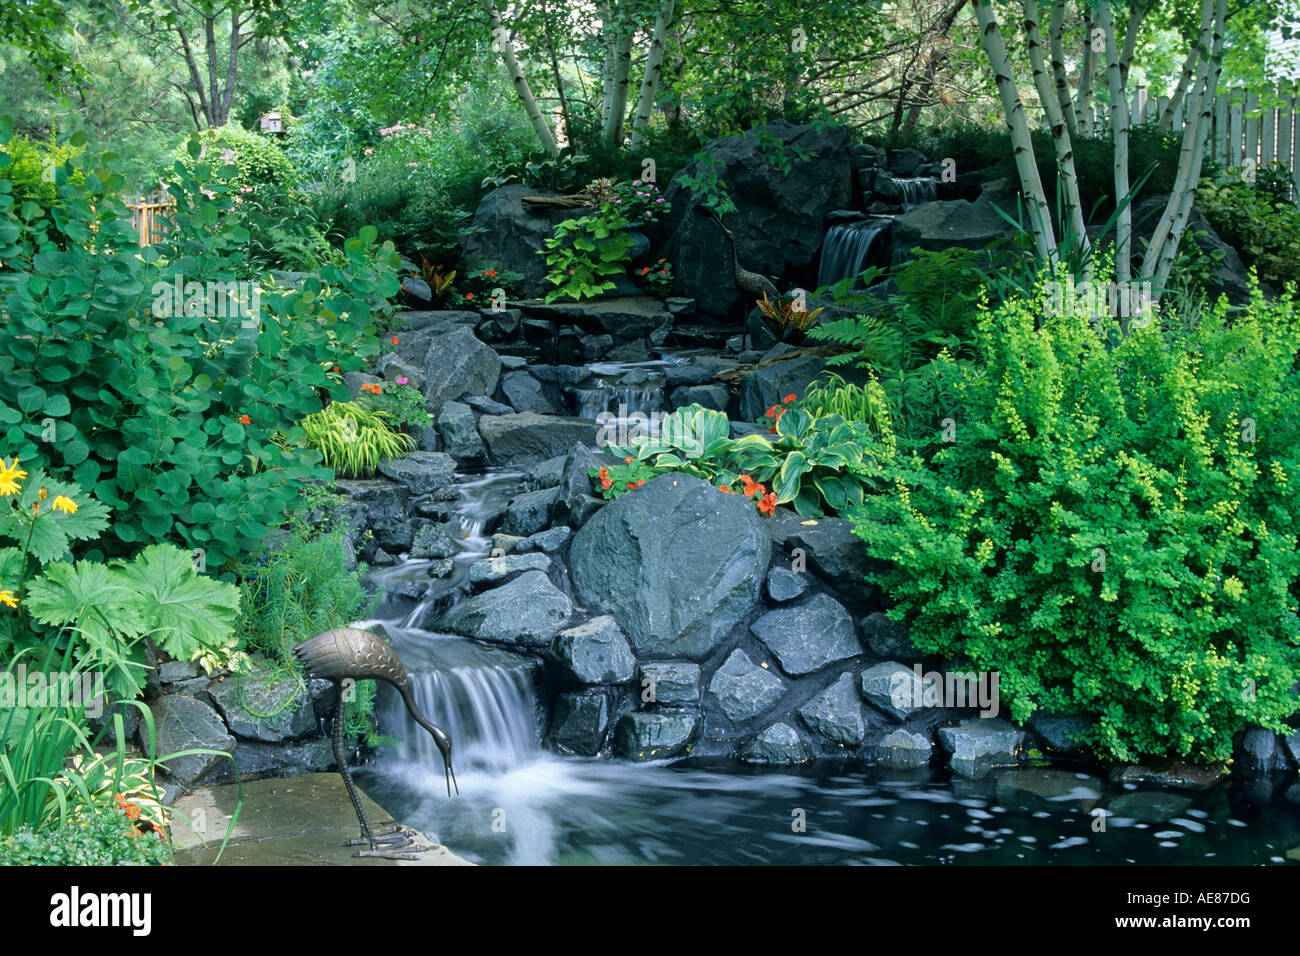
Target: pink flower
<point>402,381</point>
<point>368,151</point>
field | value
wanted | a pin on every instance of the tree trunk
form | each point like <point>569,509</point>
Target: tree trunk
<point>1030,183</point>
<point>1136,16</point>
<point>613,132</point>
<point>516,74</point>
<point>1073,224</point>
<point>653,70</point>
<point>1089,67</point>
<point>1187,153</point>
<point>1119,120</point>
<point>1189,73</point>
<point>1187,196</point>
<point>607,68</point>
<point>1056,45</point>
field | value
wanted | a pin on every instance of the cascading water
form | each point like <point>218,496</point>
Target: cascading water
<point>917,191</point>
<point>851,247</point>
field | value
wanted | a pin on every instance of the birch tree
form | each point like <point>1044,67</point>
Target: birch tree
<point>503,43</point>
<point>1119,127</point>
<point>653,71</point>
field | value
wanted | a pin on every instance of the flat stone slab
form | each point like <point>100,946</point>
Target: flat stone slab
<point>292,821</point>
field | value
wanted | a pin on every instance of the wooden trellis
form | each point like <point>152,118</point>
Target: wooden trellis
<point>152,220</point>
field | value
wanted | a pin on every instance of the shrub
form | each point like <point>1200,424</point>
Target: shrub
<point>30,168</point>
<point>259,159</point>
<point>1114,527</point>
<point>1257,219</point>
<point>107,836</point>
<point>355,439</point>
<point>584,255</point>
<point>172,408</point>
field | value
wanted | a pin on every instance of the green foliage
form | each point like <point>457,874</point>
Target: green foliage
<point>656,279</point>
<point>815,464</point>
<point>283,231</point>
<point>104,837</point>
<point>932,312</point>
<point>403,404</point>
<point>1113,529</point>
<point>706,184</point>
<point>583,255</point>
<point>30,169</point>
<point>1258,219</point>
<point>175,410</point>
<point>354,439</point>
<point>830,394</point>
<point>259,159</point>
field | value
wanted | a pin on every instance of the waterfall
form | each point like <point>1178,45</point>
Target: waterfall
<point>622,400</point>
<point>850,248</point>
<point>916,192</point>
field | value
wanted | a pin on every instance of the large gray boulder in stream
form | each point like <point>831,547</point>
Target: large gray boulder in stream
<point>455,364</point>
<point>677,562</point>
<point>529,610</point>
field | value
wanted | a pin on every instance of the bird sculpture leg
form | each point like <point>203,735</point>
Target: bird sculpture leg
<point>397,839</point>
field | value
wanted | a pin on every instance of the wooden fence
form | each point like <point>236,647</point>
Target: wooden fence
<point>1243,129</point>
<point>151,219</point>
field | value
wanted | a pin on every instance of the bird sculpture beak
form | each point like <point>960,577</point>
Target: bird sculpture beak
<point>444,747</point>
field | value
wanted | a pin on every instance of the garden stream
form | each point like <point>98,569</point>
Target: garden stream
<point>520,803</point>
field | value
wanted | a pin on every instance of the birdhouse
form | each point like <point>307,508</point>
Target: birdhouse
<point>272,122</point>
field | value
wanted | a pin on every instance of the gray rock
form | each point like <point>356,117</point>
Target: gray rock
<point>971,225</point>
<point>422,472</point>
<point>549,541</point>
<point>490,571</point>
<point>169,672</point>
<point>527,438</point>
<point>836,713</point>
<point>441,567</point>
<point>548,473</point>
<point>620,316</point>
<point>673,683</point>
<point>457,364</point>
<point>254,757</point>
<point>486,406</point>
<point>832,550</point>
<point>526,394</point>
<point>779,225</point>
<point>529,610</point>
<point>654,736</point>
<point>264,706</point>
<point>893,689</point>
<point>1060,733</point>
<point>183,723</point>
<point>808,636</point>
<point>459,436</point>
<point>576,502</point>
<point>431,540</point>
<point>510,232</point>
<point>382,559</point>
<point>1261,753</point>
<point>785,585</point>
<point>766,385</point>
<point>778,744</point>
<point>530,512</point>
<point>678,564</point>
<point>394,536</point>
<point>594,653</point>
<point>979,744</point>
<point>744,689</point>
<point>887,639</point>
<point>710,396</point>
<point>904,163</point>
<point>579,724</point>
<point>1292,744</point>
<point>1170,774</point>
<point>1048,789</point>
<point>373,500</point>
<point>900,748</point>
<point>689,374</point>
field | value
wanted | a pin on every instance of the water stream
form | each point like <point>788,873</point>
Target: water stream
<point>521,804</point>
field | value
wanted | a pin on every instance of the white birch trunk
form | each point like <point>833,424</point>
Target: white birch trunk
<point>1084,109</point>
<point>1074,223</point>
<point>1119,120</point>
<point>1186,76</point>
<point>1022,144</point>
<point>513,70</point>
<point>624,28</point>
<point>1056,45</point>
<point>654,63</point>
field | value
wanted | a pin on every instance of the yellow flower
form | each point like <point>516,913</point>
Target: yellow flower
<point>9,475</point>
<point>64,504</point>
<point>43,494</point>
<point>7,599</point>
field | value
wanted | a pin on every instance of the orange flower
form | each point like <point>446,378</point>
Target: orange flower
<point>245,420</point>
<point>640,483</point>
<point>606,483</point>
<point>768,504</point>
<point>393,340</point>
<point>631,484</point>
<point>492,273</point>
<point>604,473</point>
<point>645,270</point>
<point>627,460</point>
<point>726,489</point>
<point>789,398</point>
<point>335,369</point>
<point>770,413</point>
<point>469,295</point>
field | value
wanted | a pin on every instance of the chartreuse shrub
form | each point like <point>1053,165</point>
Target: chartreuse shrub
<point>814,464</point>
<point>159,381</point>
<point>1113,526</point>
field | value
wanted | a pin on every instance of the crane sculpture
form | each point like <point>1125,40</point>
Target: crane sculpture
<point>753,283</point>
<point>350,654</point>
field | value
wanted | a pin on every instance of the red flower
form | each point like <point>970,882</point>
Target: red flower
<point>789,398</point>
<point>469,295</point>
<point>768,504</point>
<point>640,483</point>
<point>245,420</point>
<point>770,413</point>
<point>606,483</point>
<point>393,340</point>
<point>631,484</point>
<point>627,460</point>
<point>604,473</point>
<point>335,369</point>
<point>726,489</point>
<point>492,273</point>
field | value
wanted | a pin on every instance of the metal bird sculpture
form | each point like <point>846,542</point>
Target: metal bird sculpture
<point>349,653</point>
<point>752,282</point>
